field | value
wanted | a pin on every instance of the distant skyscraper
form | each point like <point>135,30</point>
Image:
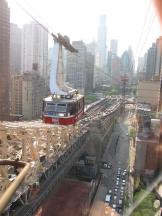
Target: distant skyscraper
<point>15,49</point>
<point>102,42</point>
<point>140,67</point>
<point>16,94</point>
<point>34,49</point>
<point>109,61</point>
<point>158,63</point>
<point>132,61</point>
<point>114,47</point>
<point>89,81</point>
<point>115,69</point>
<point>150,65</point>
<point>76,64</point>
<point>91,47</point>
<point>4,60</point>
<point>125,62</point>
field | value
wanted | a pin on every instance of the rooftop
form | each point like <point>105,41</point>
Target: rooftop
<point>70,197</point>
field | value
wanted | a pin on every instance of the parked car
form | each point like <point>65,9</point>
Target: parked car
<point>120,210</point>
<point>120,202</point>
<point>117,184</point>
<point>108,198</point>
<point>114,206</point>
<point>109,165</point>
<point>106,165</point>
<point>110,191</point>
<point>115,198</point>
<point>123,183</point>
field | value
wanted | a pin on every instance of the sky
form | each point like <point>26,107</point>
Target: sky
<point>79,19</point>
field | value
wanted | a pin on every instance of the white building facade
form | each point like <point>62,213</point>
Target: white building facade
<point>34,51</point>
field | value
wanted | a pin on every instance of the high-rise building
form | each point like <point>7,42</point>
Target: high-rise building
<point>76,66</point>
<point>4,60</point>
<point>141,68</point>
<point>34,49</point>
<point>115,69</point>
<point>150,65</point>
<point>125,63</point>
<point>91,47</point>
<point>109,61</point>
<point>114,47</point>
<point>102,43</point>
<point>158,63</point>
<point>16,94</point>
<point>89,80</point>
<point>28,91</point>
<point>131,60</point>
<point>15,49</point>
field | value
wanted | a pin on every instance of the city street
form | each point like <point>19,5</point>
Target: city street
<point>117,153</point>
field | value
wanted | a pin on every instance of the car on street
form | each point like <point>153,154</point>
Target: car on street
<point>124,175</point>
<point>118,175</point>
<point>120,202</point>
<point>123,183</point>
<point>106,165</point>
<point>122,188</point>
<point>119,210</point>
<point>122,195</point>
<point>115,197</point>
<point>109,165</point>
<point>108,198</point>
<point>110,191</point>
<point>114,206</point>
<point>117,184</point>
<point>115,190</point>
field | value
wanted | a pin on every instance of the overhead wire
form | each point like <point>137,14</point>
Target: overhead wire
<point>39,16</point>
<point>29,14</point>
<point>143,27</point>
<point>151,20</point>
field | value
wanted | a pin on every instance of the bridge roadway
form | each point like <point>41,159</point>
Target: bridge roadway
<point>58,170</point>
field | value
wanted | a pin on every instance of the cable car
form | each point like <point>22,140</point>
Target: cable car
<point>63,111</point>
<point>64,105</point>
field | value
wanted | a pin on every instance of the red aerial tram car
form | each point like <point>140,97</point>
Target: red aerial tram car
<point>63,111</point>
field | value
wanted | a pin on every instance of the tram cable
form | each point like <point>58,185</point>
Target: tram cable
<point>143,27</point>
<point>29,14</point>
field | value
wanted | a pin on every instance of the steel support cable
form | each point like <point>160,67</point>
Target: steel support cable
<point>143,27</point>
<point>40,17</point>
<point>154,14</point>
<point>117,81</point>
<point>152,19</point>
<point>140,38</point>
<point>36,20</point>
<point>52,33</point>
<point>10,191</point>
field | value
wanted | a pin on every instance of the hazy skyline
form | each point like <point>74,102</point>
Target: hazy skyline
<point>79,19</point>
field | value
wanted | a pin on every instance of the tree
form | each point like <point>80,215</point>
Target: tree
<point>132,134</point>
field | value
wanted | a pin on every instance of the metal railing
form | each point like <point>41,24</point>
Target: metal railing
<point>9,192</point>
